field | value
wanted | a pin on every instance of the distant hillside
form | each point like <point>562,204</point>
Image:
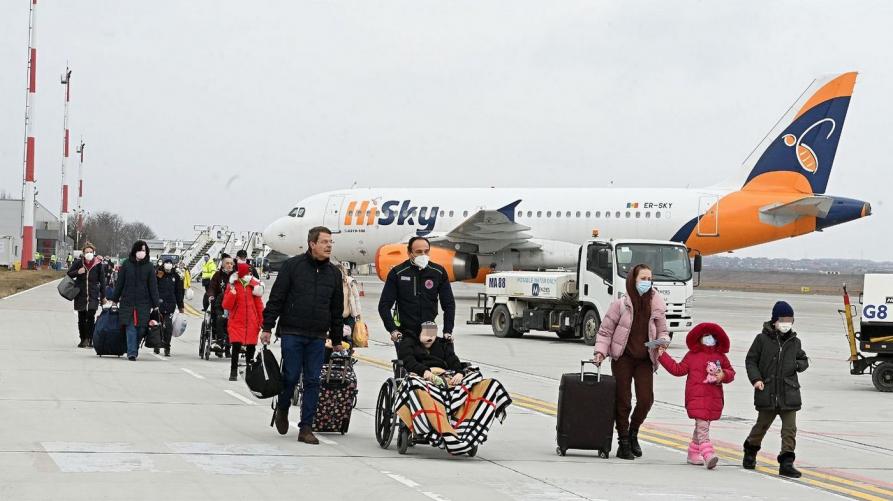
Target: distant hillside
<point>826,266</point>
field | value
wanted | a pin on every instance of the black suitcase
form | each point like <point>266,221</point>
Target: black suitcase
<point>108,336</point>
<point>586,404</point>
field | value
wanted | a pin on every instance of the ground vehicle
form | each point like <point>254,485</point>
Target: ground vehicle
<point>175,258</point>
<point>875,333</point>
<point>572,303</point>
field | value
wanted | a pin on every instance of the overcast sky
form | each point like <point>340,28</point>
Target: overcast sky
<point>175,99</point>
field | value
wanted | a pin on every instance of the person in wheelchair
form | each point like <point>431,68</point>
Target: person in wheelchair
<point>429,356</point>
<point>222,277</point>
<point>436,399</point>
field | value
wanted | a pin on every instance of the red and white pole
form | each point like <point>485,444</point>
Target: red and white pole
<point>80,209</point>
<point>66,81</point>
<point>28,195</point>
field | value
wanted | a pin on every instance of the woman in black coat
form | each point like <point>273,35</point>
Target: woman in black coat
<point>87,274</point>
<point>137,290</point>
<point>428,355</point>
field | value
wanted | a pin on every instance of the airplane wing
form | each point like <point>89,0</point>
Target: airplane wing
<point>784,214</point>
<point>488,231</point>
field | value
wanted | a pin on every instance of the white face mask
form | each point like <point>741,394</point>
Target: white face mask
<point>168,267</point>
<point>708,341</point>
<point>140,255</point>
<point>88,256</point>
<point>421,261</point>
<point>784,327</point>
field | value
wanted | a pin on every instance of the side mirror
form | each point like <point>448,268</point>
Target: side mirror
<point>698,263</point>
<point>611,290</point>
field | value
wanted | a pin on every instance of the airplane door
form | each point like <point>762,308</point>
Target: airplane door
<point>332,217</point>
<point>708,216</point>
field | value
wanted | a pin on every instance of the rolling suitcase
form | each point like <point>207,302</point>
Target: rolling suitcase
<point>337,396</point>
<point>108,336</point>
<point>586,404</point>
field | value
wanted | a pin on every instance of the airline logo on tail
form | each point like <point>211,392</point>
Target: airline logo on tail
<point>806,156</point>
<point>398,212</point>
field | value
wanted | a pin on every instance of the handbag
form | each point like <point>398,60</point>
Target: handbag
<point>263,376</point>
<point>179,324</point>
<point>68,288</point>
<point>360,335</point>
<point>154,338</point>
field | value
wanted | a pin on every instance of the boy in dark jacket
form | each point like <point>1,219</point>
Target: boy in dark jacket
<point>428,356</point>
<point>773,362</point>
<point>171,292</point>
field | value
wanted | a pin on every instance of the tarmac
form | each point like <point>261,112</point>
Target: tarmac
<point>82,427</point>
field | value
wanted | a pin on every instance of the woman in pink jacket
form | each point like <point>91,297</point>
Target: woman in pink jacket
<point>707,368</point>
<point>631,321</point>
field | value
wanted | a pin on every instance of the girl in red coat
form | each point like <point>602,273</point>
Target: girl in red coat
<point>707,369</point>
<point>246,314</point>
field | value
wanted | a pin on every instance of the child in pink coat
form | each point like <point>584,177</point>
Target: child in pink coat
<point>707,368</point>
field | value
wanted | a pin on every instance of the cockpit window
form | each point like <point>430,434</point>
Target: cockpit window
<point>297,212</point>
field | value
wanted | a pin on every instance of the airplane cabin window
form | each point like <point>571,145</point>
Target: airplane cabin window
<point>647,214</point>
<point>567,214</point>
<point>520,213</point>
<point>451,213</point>
<point>657,214</point>
<point>548,213</point>
<point>598,214</point>
<point>588,214</point>
<point>529,213</point>
<point>558,214</point>
<point>539,213</point>
<point>607,214</point>
<point>465,214</point>
<point>627,214</point>
<point>638,214</point>
<point>617,214</point>
<point>441,213</point>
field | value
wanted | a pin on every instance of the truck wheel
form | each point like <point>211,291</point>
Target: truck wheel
<point>590,326</point>
<point>882,376</point>
<point>501,321</point>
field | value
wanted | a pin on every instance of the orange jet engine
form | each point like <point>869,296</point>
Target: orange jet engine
<point>460,266</point>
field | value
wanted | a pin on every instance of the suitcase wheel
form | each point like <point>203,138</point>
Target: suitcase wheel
<point>602,454</point>
<point>560,451</point>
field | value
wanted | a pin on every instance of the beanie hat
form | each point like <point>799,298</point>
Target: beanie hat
<point>243,269</point>
<point>781,309</point>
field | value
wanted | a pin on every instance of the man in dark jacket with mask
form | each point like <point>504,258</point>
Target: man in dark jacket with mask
<point>773,362</point>
<point>415,286</point>
<point>171,292</point>
<point>308,302</point>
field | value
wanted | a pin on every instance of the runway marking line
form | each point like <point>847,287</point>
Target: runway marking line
<point>679,442</point>
<point>160,357</point>
<point>193,374</point>
<point>412,484</point>
<point>192,311</point>
<point>239,397</point>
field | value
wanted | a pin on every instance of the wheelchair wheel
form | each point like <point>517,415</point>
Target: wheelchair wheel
<point>384,419</point>
<point>202,340</point>
<point>404,438</point>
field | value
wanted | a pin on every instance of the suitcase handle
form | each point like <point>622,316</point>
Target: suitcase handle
<point>598,373</point>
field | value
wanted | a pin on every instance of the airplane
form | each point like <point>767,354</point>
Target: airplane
<point>778,193</point>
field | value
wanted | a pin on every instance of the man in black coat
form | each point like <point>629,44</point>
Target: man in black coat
<point>415,285</point>
<point>308,302</point>
<point>773,362</point>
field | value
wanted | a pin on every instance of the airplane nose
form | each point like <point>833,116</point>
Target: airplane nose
<point>275,234</point>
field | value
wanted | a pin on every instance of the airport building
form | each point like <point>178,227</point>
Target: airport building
<point>47,232</point>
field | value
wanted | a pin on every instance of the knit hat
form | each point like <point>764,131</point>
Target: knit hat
<point>781,309</point>
<point>243,269</point>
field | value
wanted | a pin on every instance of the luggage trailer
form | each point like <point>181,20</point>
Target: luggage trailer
<point>875,333</point>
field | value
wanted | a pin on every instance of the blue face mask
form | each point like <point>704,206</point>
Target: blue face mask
<point>643,286</point>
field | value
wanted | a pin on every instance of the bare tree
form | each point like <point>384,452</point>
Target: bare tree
<point>110,234</point>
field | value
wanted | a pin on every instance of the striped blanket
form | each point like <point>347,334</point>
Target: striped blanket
<point>455,419</point>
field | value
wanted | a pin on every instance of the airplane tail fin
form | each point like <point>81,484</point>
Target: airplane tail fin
<point>798,153</point>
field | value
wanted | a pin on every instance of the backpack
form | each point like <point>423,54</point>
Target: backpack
<point>263,377</point>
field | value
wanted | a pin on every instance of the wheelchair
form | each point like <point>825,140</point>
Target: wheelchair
<point>388,422</point>
<point>206,338</point>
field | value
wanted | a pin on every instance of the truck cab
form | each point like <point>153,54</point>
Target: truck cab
<point>572,303</point>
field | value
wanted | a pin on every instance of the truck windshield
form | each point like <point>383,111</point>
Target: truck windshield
<point>667,262</point>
